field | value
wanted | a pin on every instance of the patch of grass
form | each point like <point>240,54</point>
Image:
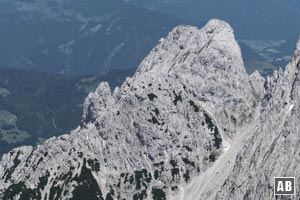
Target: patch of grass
<point>14,136</point>
<point>7,119</point>
<point>8,129</point>
<point>4,92</point>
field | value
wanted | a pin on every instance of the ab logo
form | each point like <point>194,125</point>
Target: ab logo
<point>284,186</point>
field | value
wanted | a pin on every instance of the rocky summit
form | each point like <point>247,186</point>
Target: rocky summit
<point>190,124</point>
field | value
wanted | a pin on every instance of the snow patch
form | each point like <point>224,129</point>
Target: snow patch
<point>226,146</point>
<point>291,107</point>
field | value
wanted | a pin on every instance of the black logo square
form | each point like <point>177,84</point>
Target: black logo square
<point>284,186</point>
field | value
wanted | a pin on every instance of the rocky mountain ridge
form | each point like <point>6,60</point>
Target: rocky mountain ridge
<point>189,114</point>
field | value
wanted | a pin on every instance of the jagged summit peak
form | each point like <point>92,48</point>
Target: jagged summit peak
<point>210,27</point>
<point>187,44</point>
<point>216,24</point>
<point>103,89</point>
<point>186,32</point>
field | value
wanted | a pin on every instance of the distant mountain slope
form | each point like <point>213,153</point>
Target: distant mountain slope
<point>252,19</point>
<point>77,37</point>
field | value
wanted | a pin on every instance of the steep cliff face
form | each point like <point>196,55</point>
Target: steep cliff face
<point>172,131</point>
<point>272,148</point>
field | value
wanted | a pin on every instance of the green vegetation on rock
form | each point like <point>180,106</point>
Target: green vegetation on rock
<point>9,131</point>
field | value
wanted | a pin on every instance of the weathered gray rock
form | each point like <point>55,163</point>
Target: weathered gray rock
<point>272,147</point>
<point>186,125</point>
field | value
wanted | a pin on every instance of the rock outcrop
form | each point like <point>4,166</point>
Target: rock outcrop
<point>190,123</point>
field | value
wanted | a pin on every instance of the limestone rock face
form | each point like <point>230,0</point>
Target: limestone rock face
<point>272,147</point>
<point>190,123</point>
